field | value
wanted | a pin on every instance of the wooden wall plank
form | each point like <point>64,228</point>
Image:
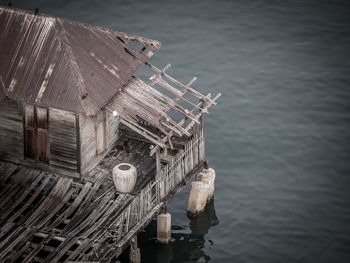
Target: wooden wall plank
<point>63,140</point>
<point>11,131</point>
<point>87,127</point>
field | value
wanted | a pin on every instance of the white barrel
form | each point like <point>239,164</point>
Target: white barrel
<point>124,177</point>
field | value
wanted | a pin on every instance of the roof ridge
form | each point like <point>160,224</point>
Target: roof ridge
<point>144,40</point>
<point>85,101</point>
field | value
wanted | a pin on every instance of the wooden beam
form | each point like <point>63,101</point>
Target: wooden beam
<point>158,164</point>
<point>142,132</point>
<point>179,94</point>
<point>173,129</point>
<point>184,89</point>
<point>199,115</point>
<point>180,123</point>
<point>194,92</point>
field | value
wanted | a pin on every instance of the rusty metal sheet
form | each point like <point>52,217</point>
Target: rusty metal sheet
<point>60,63</point>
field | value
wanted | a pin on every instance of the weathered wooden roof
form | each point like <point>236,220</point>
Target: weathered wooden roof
<point>140,102</point>
<point>64,64</point>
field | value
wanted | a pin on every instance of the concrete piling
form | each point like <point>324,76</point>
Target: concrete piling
<point>164,228</point>
<point>198,198</point>
<point>135,253</point>
<point>208,176</point>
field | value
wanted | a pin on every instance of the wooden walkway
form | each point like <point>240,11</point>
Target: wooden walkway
<point>50,218</point>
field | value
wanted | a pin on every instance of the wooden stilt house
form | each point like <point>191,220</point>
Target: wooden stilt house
<point>70,110</point>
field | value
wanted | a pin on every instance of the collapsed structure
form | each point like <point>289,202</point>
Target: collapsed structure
<point>71,109</point>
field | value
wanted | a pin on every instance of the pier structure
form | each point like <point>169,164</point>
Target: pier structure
<point>71,110</point>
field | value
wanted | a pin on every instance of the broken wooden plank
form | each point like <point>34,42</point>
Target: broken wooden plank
<point>194,92</point>
<point>170,133</point>
<point>9,210</point>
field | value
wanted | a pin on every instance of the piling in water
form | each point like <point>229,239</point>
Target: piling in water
<point>208,176</point>
<point>164,228</point>
<point>198,198</point>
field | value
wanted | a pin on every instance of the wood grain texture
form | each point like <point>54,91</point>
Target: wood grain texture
<point>11,131</point>
<point>63,143</point>
<point>88,149</point>
<point>87,221</point>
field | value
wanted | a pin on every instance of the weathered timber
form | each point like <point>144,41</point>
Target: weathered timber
<point>87,130</point>
<point>60,137</point>
<point>11,131</point>
<point>183,121</point>
<point>87,220</point>
<point>63,143</point>
<point>57,57</point>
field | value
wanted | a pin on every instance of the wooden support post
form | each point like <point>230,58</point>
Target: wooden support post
<point>164,228</point>
<point>135,253</point>
<point>158,164</point>
<point>198,198</point>
<point>201,119</point>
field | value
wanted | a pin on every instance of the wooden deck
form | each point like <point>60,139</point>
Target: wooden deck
<point>127,150</point>
<point>50,218</point>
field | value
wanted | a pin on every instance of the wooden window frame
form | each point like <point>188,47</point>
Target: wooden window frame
<point>40,133</point>
<point>101,119</point>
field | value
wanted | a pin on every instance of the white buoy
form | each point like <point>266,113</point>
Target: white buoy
<point>164,228</point>
<point>198,198</point>
<point>124,177</point>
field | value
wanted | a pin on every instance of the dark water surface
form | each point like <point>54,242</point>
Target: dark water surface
<point>279,139</point>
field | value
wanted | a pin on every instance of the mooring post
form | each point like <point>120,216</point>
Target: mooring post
<point>198,198</point>
<point>135,253</point>
<point>164,228</point>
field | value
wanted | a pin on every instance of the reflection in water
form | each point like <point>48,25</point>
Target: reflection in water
<point>183,247</point>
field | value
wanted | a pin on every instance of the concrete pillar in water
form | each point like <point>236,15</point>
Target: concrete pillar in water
<point>198,198</point>
<point>135,253</point>
<point>208,176</point>
<point>164,228</point>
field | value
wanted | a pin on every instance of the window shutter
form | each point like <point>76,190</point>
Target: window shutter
<point>42,133</point>
<point>101,137</point>
<point>36,133</point>
<point>30,148</point>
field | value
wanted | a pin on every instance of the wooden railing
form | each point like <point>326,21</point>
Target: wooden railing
<point>181,164</point>
<point>153,195</point>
